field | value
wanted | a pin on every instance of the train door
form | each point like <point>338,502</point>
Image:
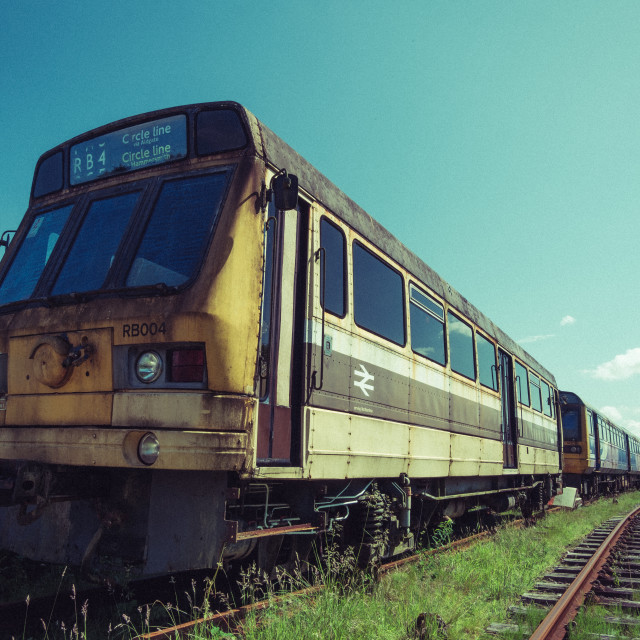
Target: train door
<point>508,410</point>
<point>281,358</point>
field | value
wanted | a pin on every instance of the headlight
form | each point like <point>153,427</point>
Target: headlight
<point>148,448</point>
<point>148,367</point>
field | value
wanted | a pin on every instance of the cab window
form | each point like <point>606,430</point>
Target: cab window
<point>34,253</point>
<point>571,425</point>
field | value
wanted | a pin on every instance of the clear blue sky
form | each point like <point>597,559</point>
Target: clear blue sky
<point>500,141</point>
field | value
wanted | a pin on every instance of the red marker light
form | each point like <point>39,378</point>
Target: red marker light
<point>186,365</point>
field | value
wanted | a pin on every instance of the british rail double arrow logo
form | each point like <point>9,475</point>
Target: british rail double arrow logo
<point>366,377</point>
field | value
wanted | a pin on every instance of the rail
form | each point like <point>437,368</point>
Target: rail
<point>553,627</point>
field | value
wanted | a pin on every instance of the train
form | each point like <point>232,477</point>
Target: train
<point>600,457</point>
<point>210,355</point>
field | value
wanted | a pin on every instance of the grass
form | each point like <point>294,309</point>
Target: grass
<point>591,620</point>
<point>453,595</point>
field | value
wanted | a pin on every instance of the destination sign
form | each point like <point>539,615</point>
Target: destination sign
<point>129,149</point>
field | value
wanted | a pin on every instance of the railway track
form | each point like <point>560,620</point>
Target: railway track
<point>604,569</point>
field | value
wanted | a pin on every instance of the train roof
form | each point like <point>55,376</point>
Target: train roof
<point>569,397</point>
<point>279,154</point>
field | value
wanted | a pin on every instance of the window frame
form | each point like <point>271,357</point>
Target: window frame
<point>413,286</point>
<point>345,268</point>
<point>534,382</point>
<point>199,141</point>
<point>578,424</point>
<point>359,243</point>
<point>549,400</point>
<point>481,335</point>
<point>147,218</point>
<point>522,385</point>
<point>81,217</point>
<point>458,316</point>
<point>42,284</point>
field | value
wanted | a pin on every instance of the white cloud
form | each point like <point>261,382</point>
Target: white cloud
<point>536,338</point>
<point>567,320</point>
<point>616,415</point>
<point>621,367</point>
<point>613,414</point>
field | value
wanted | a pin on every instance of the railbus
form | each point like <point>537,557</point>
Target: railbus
<point>599,456</point>
<point>209,353</point>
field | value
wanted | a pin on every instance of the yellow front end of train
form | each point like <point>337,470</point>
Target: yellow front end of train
<point>129,327</point>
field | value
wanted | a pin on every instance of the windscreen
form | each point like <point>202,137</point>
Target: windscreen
<point>571,424</point>
<point>33,255</point>
<point>123,240</point>
<point>93,251</point>
<point>178,231</point>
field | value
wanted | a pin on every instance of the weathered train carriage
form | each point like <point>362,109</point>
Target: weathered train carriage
<point>403,378</point>
<point>599,456</point>
<point>196,367</point>
<point>405,374</point>
<point>634,458</point>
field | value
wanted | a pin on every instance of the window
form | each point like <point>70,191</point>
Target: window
<point>265,325</point>
<point>378,297</point>
<point>522,384</point>
<point>571,425</point>
<point>461,347</point>
<point>48,175</point>
<point>332,288</point>
<point>534,389</point>
<point>427,326</point>
<point>487,371</point>
<point>218,131</point>
<point>33,255</point>
<point>94,248</point>
<point>603,430</point>
<point>547,399</point>
<point>179,230</point>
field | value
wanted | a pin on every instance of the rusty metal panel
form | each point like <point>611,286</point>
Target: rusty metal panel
<point>357,446</point>
<point>38,363</point>
<point>533,460</point>
<point>430,451</point>
<point>182,410</point>
<point>176,521</point>
<point>60,535</point>
<point>59,409</point>
<point>472,456</point>
<point>94,447</point>
<point>186,526</point>
<point>464,408</point>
